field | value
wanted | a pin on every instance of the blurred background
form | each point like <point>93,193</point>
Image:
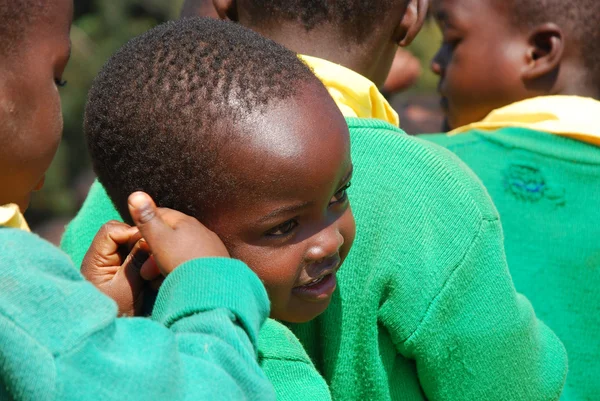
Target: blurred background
<point>102,26</point>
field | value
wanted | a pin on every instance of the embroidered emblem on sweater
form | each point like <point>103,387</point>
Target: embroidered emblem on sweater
<point>526,182</point>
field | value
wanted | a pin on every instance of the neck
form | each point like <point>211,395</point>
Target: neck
<point>574,80</point>
<point>372,59</point>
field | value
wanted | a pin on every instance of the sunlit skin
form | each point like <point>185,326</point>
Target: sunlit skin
<point>290,219</point>
<point>30,110</point>
<point>480,60</point>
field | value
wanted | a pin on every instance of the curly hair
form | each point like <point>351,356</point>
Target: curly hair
<point>161,114</point>
<point>356,18</point>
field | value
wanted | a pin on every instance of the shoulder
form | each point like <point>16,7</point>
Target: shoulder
<point>416,170</point>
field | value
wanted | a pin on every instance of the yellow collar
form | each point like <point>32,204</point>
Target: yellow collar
<point>10,216</point>
<point>355,95</point>
<point>571,116</point>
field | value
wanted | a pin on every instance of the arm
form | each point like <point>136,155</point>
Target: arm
<point>60,338</point>
<point>288,367</point>
<point>479,339</point>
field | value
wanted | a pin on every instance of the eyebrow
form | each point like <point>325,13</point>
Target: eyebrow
<point>283,210</point>
<point>348,175</point>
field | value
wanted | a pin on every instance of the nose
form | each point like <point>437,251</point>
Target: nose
<point>326,244</point>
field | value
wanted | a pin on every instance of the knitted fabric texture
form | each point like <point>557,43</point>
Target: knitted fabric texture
<point>546,189</point>
<point>425,308</point>
<point>281,356</point>
<point>60,338</point>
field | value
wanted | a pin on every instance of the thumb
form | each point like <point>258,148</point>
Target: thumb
<point>146,217</point>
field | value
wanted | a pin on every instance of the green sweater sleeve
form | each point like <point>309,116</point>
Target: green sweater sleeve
<point>60,338</point>
<point>96,210</point>
<point>288,367</point>
<point>496,351</point>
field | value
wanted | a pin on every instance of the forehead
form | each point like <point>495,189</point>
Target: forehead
<point>300,144</point>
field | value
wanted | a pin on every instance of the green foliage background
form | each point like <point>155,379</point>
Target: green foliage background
<point>100,27</point>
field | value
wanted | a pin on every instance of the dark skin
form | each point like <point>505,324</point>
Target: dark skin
<point>289,217</point>
<point>291,221</point>
<point>30,110</point>
<point>477,78</point>
<point>372,58</point>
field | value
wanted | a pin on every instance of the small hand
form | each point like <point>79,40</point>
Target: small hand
<point>124,279</point>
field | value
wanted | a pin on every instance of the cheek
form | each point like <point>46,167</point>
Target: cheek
<point>347,229</point>
<point>278,268</point>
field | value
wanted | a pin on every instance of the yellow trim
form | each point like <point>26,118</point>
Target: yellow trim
<point>570,116</point>
<point>355,95</point>
<point>11,216</point>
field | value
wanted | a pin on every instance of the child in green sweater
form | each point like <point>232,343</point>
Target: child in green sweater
<point>426,308</point>
<point>60,338</point>
<point>191,114</point>
<point>525,119</point>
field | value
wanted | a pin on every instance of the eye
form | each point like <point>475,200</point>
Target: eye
<point>282,229</point>
<point>341,195</point>
<point>60,83</point>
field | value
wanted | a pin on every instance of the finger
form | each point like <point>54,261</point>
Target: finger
<point>146,217</point>
<point>137,256</point>
<point>150,270</point>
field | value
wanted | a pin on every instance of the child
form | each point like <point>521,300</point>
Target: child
<point>204,126</point>
<point>60,338</point>
<point>526,119</point>
<point>426,307</point>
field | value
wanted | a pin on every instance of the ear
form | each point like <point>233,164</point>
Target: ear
<point>226,9</point>
<point>545,52</point>
<point>412,21</point>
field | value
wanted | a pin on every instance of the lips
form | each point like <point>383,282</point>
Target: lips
<point>321,287</point>
<point>327,267</point>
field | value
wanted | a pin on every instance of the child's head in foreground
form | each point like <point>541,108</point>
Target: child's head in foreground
<point>497,52</point>
<point>360,34</point>
<point>215,121</point>
<point>34,50</point>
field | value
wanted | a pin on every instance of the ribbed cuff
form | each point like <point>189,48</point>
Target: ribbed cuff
<point>206,284</point>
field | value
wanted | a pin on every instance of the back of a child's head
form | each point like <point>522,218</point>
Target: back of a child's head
<point>164,110</point>
<point>579,21</point>
<point>354,19</point>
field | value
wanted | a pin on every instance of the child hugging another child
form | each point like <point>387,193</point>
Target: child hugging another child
<point>60,338</point>
<point>521,85</point>
<point>425,307</point>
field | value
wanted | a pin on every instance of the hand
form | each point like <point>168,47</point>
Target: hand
<point>172,237</point>
<point>124,279</point>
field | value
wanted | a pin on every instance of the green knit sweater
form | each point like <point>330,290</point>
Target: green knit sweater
<point>281,356</point>
<point>60,338</point>
<point>547,190</point>
<point>425,306</point>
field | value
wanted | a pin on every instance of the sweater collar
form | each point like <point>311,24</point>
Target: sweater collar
<point>570,116</point>
<point>355,95</point>
<point>11,216</point>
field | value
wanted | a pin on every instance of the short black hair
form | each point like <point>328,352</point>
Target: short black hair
<point>356,18</point>
<point>163,110</point>
<point>17,18</point>
<point>579,20</point>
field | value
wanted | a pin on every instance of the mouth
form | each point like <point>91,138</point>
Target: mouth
<point>321,287</point>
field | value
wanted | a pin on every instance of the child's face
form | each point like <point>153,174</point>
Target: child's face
<point>30,111</point>
<point>480,60</point>
<point>291,220</point>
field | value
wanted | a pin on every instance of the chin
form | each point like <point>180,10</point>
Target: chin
<point>304,315</point>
